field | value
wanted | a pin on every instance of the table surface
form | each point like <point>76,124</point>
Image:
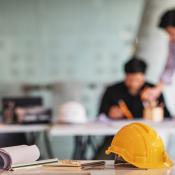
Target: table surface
<point>107,128</point>
<point>23,128</point>
<point>108,170</point>
<point>90,128</point>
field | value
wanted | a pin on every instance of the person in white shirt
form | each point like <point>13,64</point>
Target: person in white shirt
<point>167,23</point>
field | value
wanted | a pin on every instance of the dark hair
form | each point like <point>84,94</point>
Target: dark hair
<point>135,65</point>
<point>167,19</point>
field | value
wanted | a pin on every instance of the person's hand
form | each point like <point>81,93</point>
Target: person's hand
<point>115,113</point>
<point>151,94</point>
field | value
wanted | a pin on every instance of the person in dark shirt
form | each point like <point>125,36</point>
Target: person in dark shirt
<point>129,91</point>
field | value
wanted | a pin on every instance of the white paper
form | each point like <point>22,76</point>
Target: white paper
<point>35,163</point>
<point>18,155</point>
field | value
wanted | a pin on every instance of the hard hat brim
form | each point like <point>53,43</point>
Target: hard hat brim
<point>167,163</point>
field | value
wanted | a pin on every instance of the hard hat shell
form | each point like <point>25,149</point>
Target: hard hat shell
<point>139,145</point>
<point>72,112</point>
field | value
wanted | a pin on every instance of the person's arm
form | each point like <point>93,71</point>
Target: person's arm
<point>105,103</point>
<point>166,77</point>
<point>108,108</point>
<point>167,114</point>
<point>152,93</point>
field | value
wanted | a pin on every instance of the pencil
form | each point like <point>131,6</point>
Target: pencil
<point>124,108</point>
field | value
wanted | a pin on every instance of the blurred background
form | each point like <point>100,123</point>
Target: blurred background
<point>66,50</point>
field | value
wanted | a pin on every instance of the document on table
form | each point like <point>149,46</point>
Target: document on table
<point>74,164</point>
<point>23,154</point>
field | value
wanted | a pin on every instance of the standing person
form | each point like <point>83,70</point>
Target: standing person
<point>167,23</point>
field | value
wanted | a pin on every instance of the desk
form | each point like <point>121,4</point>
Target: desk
<point>105,129</point>
<point>108,170</point>
<point>23,128</point>
<point>91,128</point>
<point>81,131</point>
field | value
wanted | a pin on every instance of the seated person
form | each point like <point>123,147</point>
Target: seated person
<point>127,92</point>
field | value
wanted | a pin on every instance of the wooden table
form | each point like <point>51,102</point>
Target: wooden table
<point>108,170</point>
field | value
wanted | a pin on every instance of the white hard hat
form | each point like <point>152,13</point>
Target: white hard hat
<point>72,112</point>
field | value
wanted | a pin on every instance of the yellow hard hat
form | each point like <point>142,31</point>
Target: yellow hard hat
<point>139,145</point>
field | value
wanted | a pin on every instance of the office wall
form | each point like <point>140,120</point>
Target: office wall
<point>43,41</point>
<point>48,41</point>
<point>77,44</point>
